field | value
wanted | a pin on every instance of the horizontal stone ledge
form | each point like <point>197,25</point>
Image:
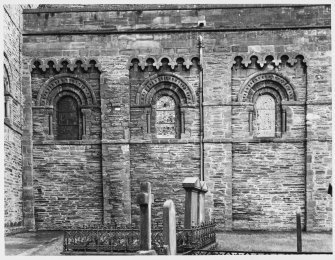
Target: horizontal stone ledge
<point>98,142</point>
<point>284,103</point>
<point>42,107</point>
<point>51,107</point>
<point>309,103</point>
<point>221,104</point>
<point>245,104</point>
<point>171,30</point>
<point>273,140</point>
<point>167,141</point>
<point>174,141</point>
<point>293,103</point>
<point>319,140</point>
<point>67,142</point>
<point>155,7</point>
<point>150,106</point>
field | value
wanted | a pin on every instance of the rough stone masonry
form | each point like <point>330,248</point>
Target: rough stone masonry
<point>108,96</point>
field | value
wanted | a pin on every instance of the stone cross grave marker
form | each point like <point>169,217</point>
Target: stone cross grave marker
<point>145,199</point>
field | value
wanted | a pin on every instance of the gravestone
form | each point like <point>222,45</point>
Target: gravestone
<point>192,187</point>
<point>144,199</point>
<point>169,228</point>
<point>202,192</point>
<point>194,201</point>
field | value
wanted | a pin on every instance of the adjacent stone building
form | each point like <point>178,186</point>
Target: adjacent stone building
<point>14,141</point>
<point>114,95</point>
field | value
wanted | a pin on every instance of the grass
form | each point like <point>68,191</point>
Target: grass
<point>274,241</point>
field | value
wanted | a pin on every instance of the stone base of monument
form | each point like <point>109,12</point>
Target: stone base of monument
<point>146,252</point>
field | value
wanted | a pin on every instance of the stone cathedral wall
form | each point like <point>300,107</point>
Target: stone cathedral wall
<point>254,183</point>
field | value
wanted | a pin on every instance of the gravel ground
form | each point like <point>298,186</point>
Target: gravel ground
<point>34,243</point>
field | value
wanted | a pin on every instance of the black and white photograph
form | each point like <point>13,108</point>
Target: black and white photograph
<point>135,128</point>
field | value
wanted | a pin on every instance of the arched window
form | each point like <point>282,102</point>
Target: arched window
<point>166,118</point>
<point>7,94</point>
<point>6,80</point>
<point>67,119</point>
<point>265,116</point>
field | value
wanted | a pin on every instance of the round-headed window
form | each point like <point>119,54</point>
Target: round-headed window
<point>67,119</point>
<point>265,116</point>
<point>166,117</point>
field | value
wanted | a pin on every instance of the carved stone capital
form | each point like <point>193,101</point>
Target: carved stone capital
<point>86,111</point>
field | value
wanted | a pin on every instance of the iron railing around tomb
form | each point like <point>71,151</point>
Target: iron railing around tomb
<point>196,237</point>
<point>126,238</point>
<point>102,238</point>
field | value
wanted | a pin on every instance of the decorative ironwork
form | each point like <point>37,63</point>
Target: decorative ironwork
<point>187,239</point>
<point>157,238</point>
<point>111,237</point>
<point>197,237</point>
<point>219,252</point>
<point>126,238</point>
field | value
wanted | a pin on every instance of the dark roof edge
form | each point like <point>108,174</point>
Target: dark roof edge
<point>151,7</point>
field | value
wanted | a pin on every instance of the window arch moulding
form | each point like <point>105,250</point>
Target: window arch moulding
<point>66,86</point>
<point>152,92</point>
<point>176,83</point>
<point>261,79</point>
<point>55,84</point>
<point>267,94</point>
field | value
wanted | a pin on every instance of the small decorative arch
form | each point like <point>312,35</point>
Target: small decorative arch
<point>286,57</point>
<point>79,63</point>
<point>65,82</point>
<point>154,62</point>
<point>131,61</point>
<point>70,64</point>
<point>36,63</point>
<point>96,63</point>
<point>171,62</point>
<point>248,61</point>
<point>268,79</point>
<point>171,81</point>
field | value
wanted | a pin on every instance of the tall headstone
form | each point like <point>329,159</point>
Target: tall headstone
<point>169,227</point>
<point>202,192</point>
